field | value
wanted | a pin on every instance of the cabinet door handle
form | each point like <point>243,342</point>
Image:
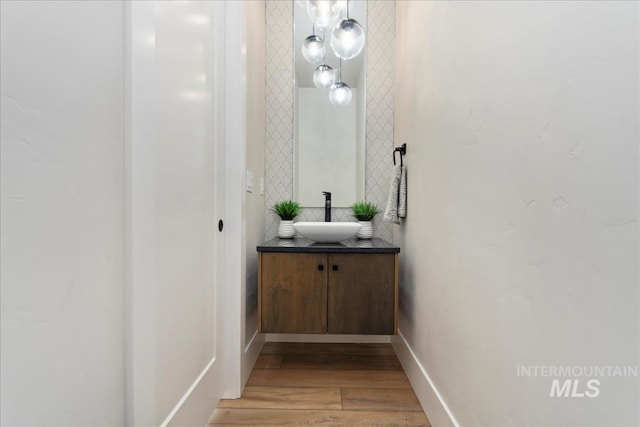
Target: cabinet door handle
<point>320,267</point>
<point>335,268</point>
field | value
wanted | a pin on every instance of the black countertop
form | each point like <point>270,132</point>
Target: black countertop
<point>372,246</point>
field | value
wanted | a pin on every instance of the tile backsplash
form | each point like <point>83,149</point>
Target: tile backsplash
<point>279,148</point>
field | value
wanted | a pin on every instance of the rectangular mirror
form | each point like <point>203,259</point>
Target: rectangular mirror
<point>329,140</point>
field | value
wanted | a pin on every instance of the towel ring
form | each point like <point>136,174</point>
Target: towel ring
<point>402,150</point>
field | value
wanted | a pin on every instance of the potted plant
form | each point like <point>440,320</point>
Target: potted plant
<point>364,213</point>
<point>287,211</point>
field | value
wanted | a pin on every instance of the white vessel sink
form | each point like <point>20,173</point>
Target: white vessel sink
<point>327,232</point>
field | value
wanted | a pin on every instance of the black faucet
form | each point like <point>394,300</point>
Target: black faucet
<point>327,206</point>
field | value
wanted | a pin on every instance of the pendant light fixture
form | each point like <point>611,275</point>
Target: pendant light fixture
<point>313,48</point>
<point>324,76</point>
<point>340,92</point>
<point>347,38</point>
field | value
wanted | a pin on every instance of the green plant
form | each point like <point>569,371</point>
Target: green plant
<point>287,210</point>
<point>364,211</point>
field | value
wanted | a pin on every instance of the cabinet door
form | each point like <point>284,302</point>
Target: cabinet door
<point>293,293</point>
<point>361,294</point>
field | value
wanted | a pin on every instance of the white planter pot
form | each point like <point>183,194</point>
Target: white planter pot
<point>366,231</point>
<point>286,230</point>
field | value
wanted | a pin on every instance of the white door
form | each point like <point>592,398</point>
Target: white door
<point>176,298</point>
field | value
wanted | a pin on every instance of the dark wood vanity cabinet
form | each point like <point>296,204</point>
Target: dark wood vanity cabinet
<point>361,294</point>
<point>335,293</point>
<point>292,293</point>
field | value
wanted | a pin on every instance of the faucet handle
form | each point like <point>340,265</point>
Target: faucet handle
<point>327,193</point>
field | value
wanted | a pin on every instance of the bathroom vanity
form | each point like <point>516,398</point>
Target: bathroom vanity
<point>314,288</point>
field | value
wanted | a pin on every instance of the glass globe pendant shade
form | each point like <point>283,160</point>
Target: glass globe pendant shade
<point>324,76</point>
<point>347,39</point>
<point>313,49</point>
<point>340,94</point>
<point>322,12</point>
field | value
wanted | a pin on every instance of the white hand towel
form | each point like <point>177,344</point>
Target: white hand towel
<point>391,211</point>
<point>402,196</point>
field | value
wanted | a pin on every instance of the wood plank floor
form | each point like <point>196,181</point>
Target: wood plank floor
<point>330,384</point>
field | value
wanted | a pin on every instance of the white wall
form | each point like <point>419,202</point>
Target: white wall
<point>175,344</point>
<point>521,240</point>
<point>254,201</point>
<point>62,194</point>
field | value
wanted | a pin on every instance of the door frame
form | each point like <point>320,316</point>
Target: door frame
<point>234,260</point>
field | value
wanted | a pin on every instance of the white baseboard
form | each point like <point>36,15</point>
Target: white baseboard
<point>255,339</point>
<point>322,338</point>
<point>196,403</point>
<point>251,354</point>
<point>432,402</point>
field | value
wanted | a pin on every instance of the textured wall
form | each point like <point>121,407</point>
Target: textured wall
<point>62,197</point>
<point>379,127</point>
<point>521,241</point>
<point>279,109</point>
<point>279,105</point>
